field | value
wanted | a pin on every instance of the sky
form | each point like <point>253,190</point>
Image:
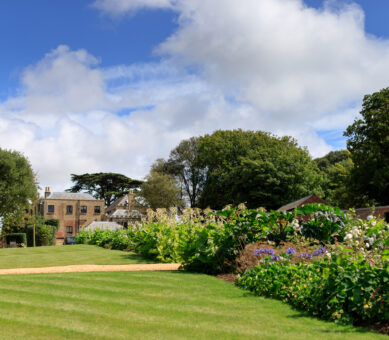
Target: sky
<point>112,85</point>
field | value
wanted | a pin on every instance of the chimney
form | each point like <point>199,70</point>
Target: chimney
<point>131,199</point>
<point>47,192</point>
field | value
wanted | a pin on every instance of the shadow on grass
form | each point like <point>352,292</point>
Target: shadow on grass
<point>297,314</point>
<point>346,328</point>
<point>136,258</point>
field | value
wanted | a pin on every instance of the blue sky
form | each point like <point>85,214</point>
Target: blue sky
<point>111,85</point>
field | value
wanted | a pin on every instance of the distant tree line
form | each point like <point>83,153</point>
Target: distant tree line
<point>235,166</point>
<point>261,169</point>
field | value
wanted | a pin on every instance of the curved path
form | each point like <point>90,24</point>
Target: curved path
<point>83,268</point>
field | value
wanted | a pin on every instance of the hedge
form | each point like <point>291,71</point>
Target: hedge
<point>16,237</point>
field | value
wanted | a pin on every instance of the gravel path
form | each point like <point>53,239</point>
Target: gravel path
<point>83,268</point>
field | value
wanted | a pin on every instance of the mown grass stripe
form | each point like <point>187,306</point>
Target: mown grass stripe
<point>67,255</point>
<point>14,329</point>
<point>115,322</point>
<point>153,312</point>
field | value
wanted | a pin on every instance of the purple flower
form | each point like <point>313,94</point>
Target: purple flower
<point>275,258</point>
<point>261,251</point>
<point>291,251</point>
<point>304,256</point>
<point>320,251</point>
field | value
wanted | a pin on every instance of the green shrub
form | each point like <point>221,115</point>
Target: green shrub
<point>202,240</point>
<point>340,290</point>
<point>54,223</point>
<point>82,237</point>
<point>45,232</point>
<point>16,237</point>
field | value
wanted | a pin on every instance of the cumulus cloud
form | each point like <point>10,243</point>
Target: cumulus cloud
<point>64,81</point>
<point>272,65</point>
<point>279,55</point>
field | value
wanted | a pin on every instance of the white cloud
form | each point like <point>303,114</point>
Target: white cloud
<point>272,65</point>
<point>119,7</point>
<point>64,81</point>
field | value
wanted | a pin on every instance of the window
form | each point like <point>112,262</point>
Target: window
<point>97,209</point>
<point>69,230</point>
<point>69,209</point>
<point>387,217</point>
<point>50,209</point>
<point>83,209</point>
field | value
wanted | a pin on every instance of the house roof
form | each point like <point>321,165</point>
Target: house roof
<point>123,213</point>
<point>121,201</point>
<point>371,208</point>
<point>102,225</point>
<point>300,202</point>
<point>70,196</point>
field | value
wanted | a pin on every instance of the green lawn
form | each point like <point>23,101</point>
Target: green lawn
<point>150,305</point>
<point>63,256</point>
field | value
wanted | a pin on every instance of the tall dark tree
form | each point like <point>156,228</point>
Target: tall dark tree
<point>107,186</point>
<point>184,167</point>
<point>183,164</point>
<point>17,184</point>
<point>257,168</point>
<point>368,143</point>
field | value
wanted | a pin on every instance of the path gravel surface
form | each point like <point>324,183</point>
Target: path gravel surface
<point>83,268</point>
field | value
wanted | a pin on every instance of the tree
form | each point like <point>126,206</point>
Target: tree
<point>336,167</point>
<point>183,166</point>
<point>368,143</point>
<point>107,186</point>
<point>160,191</point>
<point>255,167</point>
<point>17,185</point>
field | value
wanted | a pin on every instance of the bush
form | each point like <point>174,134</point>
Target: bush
<point>16,237</point>
<point>205,241</point>
<point>54,223</point>
<point>45,232</point>
<point>340,290</point>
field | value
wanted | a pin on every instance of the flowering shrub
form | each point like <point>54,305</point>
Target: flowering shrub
<point>343,290</point>
<point>324,223</point>
<point>210,242</point>
<point>288,255</point>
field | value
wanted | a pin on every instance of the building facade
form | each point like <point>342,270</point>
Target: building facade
<point>73,210</point>
<point>125,210</point>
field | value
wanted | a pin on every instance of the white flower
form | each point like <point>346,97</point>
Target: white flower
<point>370,217</point>
<point>348,237</point>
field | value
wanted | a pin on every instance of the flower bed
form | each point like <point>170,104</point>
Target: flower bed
<point>340,290</point>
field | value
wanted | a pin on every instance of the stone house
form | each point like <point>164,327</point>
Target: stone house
<point>73,210</point>
<point>125,210</point>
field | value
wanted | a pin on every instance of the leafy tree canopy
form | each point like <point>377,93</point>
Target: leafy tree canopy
<point>368,143</point>
<point>17,185</point>
<point>161,191</point>
<point>107,186</point>
<point>257,168</point>
<point>336,167</point>
<point>183,166</point>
